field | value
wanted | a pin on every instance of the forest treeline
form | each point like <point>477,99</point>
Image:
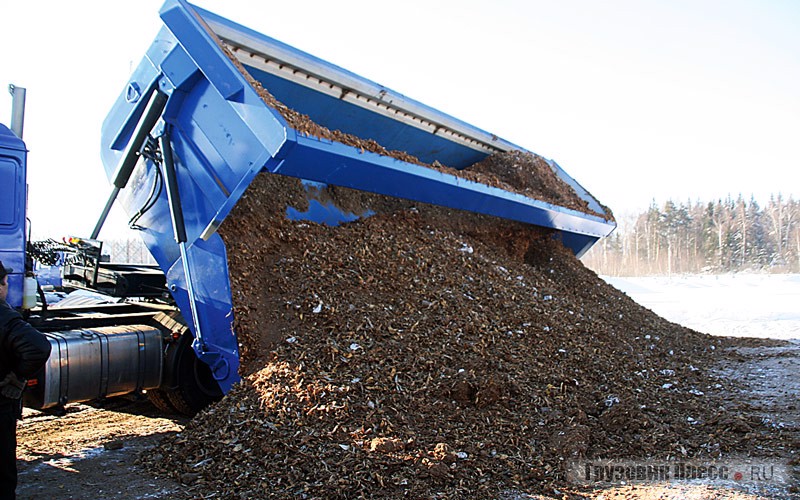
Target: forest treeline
<point>726,235</point>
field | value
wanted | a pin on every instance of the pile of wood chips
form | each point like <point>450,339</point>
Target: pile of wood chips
<point>428,353</point>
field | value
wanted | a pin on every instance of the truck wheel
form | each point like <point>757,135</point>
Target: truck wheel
<point>160,400</point>
<point>194,385</point>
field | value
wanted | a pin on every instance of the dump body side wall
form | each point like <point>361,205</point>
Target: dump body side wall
<point>222,134</point>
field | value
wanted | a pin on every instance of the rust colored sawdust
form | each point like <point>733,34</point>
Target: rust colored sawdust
<point>427,353</point>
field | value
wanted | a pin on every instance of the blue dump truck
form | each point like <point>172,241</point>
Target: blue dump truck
<point>186,136</point>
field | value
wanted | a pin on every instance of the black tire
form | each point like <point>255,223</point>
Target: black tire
<point>193,386</point>
<point>160,400</point>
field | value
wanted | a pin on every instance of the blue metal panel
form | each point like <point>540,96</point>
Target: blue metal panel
<point>336,114</point>
<point>351,82</point>
<point>204,50</point>
<point>578,243</point>
<point>13,157</point>
<point>334,163</point>
<point>208,260</point>
<point>222,135</point>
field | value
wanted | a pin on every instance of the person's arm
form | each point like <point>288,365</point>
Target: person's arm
<point>29,346</point>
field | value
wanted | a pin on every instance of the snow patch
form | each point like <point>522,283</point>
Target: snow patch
<point>737,305</point>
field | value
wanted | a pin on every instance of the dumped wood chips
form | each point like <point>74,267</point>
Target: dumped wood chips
<point>427,353</point>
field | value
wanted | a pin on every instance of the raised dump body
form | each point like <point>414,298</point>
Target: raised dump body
<point>205,133</point>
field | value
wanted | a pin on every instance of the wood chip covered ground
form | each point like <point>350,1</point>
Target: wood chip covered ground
<point>427,353</point>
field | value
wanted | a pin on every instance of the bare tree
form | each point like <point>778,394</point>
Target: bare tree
<point>723,236</point>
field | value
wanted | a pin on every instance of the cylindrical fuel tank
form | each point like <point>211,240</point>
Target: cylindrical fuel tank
<point>95,363</point>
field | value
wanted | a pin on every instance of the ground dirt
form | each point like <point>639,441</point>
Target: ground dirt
<point>92,451</point>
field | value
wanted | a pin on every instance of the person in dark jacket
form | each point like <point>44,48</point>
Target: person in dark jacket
<point>23,352</point>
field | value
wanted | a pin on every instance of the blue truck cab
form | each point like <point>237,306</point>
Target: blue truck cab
<point>13,199</point>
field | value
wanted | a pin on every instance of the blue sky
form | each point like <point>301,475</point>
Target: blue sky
<point>637,100</point>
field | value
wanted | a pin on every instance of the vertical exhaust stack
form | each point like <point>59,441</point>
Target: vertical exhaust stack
<point>17,109</point>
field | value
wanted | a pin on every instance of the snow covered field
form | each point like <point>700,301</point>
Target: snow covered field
<point>740,305</point>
